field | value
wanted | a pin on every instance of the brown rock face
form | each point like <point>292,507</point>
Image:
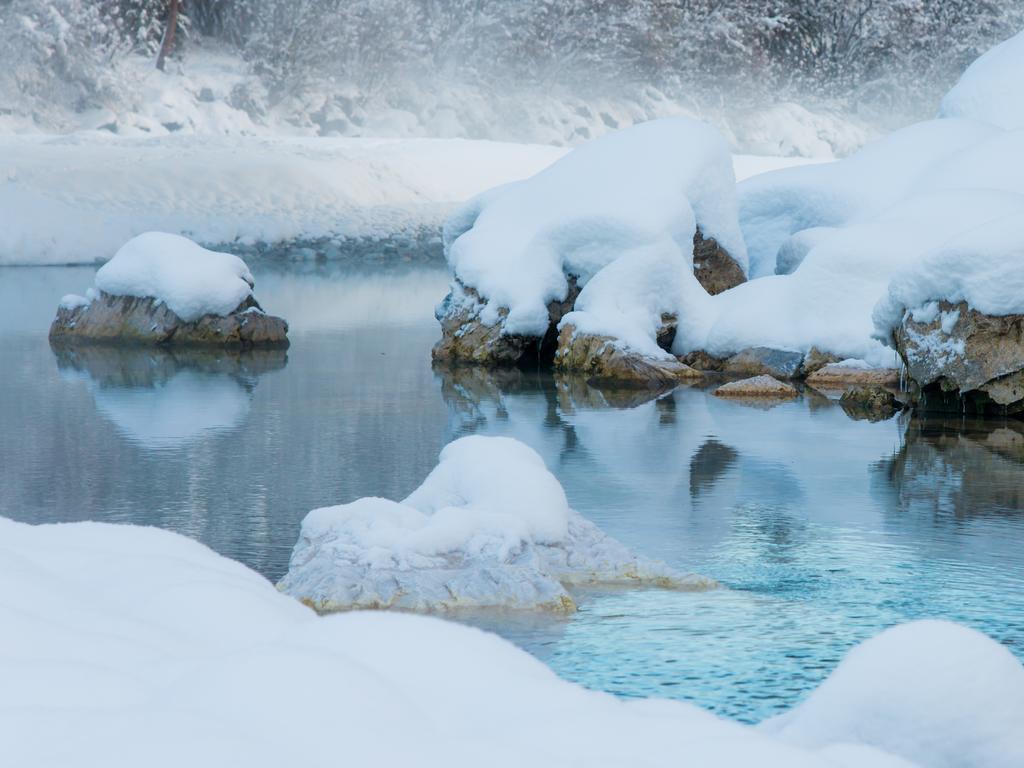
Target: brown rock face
<point>964,360</point>
<point>714,268</point>
<point>465,338</point>
<point>144,321</point>
<point>757,361</point>
<point>601,361</point>
<point>757,387</point>
<point>816,359</point>
<point>871,403</point>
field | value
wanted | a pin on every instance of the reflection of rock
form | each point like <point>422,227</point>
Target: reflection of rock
<point>602,361</point>
<point>757,387</point>
<point>710,462</point>
<point>870,403</point>
<point>958,466</point>
<point>137,320</point>
<point>161,398</point>
<point>757,361</point>
<point>963,360</point>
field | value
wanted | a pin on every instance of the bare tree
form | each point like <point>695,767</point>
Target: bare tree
<point>167,44</point>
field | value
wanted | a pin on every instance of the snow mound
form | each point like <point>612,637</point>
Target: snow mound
<point>829,299</point>
<point>654,183</point>
<point>775,205</point>
<point>141,647</point>
<point>189,279</point>
<point>489,527</point>
<point>933,692</point>
<point>983,267</point>
<point>991,89</point>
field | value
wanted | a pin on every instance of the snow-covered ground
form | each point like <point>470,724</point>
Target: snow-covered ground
<point>78,198</point>
<point>127,646</point>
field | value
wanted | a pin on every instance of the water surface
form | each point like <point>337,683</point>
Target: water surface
<point>825,529</point>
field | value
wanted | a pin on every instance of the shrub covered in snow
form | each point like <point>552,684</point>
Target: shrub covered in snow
<point>489,527</point>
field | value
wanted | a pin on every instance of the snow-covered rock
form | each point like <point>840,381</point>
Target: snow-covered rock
<point>165,289</point>
<point>992,89</point>
<point>956,317</point>
<point>664,186</point>
<point>489,527</point>
<point>141,647</point>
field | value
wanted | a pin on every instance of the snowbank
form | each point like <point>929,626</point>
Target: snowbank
<point>654,183</point>
<point>139,646</point>
<point>76,199</point>
<point>189,279</point>
<point>991,89</point>
<point>489,527</point>
<point>774,206</point>
<point>896,692</point>
<point>983,267</point>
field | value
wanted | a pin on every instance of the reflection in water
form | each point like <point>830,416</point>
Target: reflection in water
<point>824,529</point>
<point>164,399</point>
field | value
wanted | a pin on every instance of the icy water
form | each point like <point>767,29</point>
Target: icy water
<point>824,529</point>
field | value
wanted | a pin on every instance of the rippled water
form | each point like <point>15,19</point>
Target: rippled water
<point>823,528</point>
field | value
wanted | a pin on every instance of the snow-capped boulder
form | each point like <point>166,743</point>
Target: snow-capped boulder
<point>518,252</point>
<point>603,360</point>
<point>957,319</point>
<point>489,527</point>
<point>165,289</point>
<point>991,89</point>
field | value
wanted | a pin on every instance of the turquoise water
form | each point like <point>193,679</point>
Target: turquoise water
<point>822,529</point>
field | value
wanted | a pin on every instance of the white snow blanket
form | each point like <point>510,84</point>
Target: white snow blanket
<point>992,88</point>
<point>189,279</point>
<point>141,647</point>
<point>77,198</point>
<point>649,185</point>
<point>490,527</point>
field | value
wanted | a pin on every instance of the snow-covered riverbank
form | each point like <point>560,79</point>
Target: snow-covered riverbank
<point>78,198</point>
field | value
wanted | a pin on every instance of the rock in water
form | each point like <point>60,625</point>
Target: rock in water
<point>758,387</point>
<point>871,403</point>
<point>601,360</point>
<point>164,289</point>
<point>839,376</point>
<point>960,359</point>
<point>490,527</point>
<point>148,321</point>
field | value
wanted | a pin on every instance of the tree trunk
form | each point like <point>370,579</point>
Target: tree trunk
<point>167,44</point>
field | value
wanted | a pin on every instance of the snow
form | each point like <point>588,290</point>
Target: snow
<point>991,90</point>
<point>650,184</point>
<point>489,527</point>
<point>189,279</point>
<point>983,267</point>
<point>139,646</point>
<point>894,692</point>
<point>773,206</point>
<point>77,198</point>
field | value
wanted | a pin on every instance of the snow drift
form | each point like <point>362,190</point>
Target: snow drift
<point>991,89</point>
<point>139,646</point>
<point>489,527</point>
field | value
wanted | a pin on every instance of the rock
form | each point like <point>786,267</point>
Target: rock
<point>758,361</point>
<point>714,268</point>
<point>871,403</point>
<point>757,387</point>
<point>602,361</point>
<point>963,360</point>
<point>816,359</point>
<point>702,361</point>
<point>466,338</point>
<point>837,376</point>
<point>146,321</point>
